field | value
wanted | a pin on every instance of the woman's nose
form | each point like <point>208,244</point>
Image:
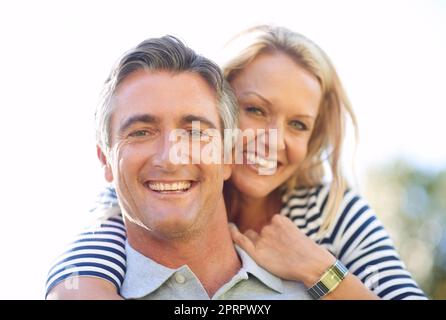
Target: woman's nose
<point>279,133</point>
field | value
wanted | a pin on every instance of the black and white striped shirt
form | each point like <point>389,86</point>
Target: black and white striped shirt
<point>357,238</point>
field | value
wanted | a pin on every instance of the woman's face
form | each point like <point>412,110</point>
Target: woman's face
<point>274,92</point>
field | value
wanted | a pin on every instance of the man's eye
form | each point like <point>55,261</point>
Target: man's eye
<point>298,125</point>
<point>194,133</point>
<point>139,133</point>
<point>255,110</point>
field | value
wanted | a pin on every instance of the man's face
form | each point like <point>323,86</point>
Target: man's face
<point>171,200</point>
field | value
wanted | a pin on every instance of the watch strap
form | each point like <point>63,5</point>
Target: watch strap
<point>329,280</point>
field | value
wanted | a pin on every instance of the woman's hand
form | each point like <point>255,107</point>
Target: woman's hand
<point>287,252</point>
<point>284,250</point>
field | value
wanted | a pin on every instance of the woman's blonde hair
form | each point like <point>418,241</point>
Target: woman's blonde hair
<point>326,140</point>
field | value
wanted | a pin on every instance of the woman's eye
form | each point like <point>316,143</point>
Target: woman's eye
<point>298,125</point>
<point>255,110</point>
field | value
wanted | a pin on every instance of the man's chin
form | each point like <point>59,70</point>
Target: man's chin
<point>172,229</point>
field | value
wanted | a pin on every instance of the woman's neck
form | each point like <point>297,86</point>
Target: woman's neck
<point>251,212</point>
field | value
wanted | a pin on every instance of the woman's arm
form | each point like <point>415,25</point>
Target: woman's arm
<point>92,266</point>
<point>357,238</point>
<point>287,252</point>
<point>361,242</point>
<point>86,289</point>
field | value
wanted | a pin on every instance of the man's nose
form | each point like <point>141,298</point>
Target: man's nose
<point>162,158</point>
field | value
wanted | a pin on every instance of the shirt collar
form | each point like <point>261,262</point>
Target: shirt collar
<point>143,275</point>
<point>250,266</point>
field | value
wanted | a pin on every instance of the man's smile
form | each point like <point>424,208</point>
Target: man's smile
<point>169,187</point>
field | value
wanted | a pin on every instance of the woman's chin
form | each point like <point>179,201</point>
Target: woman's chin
<point>256,187</point>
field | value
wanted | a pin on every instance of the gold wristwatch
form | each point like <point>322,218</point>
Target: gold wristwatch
<point>329,280</point>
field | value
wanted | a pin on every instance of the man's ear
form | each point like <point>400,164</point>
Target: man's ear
<point>108,174</point>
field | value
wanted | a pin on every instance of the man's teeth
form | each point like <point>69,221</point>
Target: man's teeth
<point>175,186</point>
<point>260,161</point>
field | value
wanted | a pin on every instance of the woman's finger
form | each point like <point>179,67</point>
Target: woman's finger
<point>252,235</point>
<point>242,241</point>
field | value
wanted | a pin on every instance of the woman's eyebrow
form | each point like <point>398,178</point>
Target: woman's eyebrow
<point>252,93</point>
<point>304,116</point>
<point>249,93</point>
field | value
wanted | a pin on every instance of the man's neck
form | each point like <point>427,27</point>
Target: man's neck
<point>210,255</point>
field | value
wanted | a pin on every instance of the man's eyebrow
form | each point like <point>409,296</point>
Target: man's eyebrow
<point>144,118</point>
<point>190,117</point>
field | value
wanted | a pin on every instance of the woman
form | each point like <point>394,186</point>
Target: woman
<point>285,82</point>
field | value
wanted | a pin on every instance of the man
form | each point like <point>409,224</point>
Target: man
<point>179,245</point>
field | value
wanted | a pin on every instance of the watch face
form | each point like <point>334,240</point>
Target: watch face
<point>331,279</point>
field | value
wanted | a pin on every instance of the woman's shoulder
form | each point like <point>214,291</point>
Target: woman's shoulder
<point>303,192</point>
<point>308,207</point>
<point>303,199</point>
<point>302,202</point>
<point>305,207</point>
<point>353,226</point>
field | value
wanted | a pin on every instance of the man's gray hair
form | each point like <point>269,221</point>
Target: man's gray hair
<point>164,54</point>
